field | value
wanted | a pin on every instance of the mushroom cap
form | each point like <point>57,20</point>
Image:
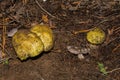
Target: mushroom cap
<point>26,44</point>
<point>45,34</point>
<point>96,36</point>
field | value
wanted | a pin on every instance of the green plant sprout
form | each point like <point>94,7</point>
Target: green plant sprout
<point>102,68</point>
<point>6,62</point>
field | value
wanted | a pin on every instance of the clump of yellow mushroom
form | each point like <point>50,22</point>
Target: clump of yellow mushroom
<point>30,43</point>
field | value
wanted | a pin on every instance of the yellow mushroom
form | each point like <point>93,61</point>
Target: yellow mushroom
<point>96,36</point>
<point>45,34</point>
<point>30,43</point>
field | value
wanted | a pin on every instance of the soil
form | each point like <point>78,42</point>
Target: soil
<point>65,17</point>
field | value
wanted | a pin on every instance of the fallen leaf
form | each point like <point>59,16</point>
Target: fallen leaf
<point>45,18</point>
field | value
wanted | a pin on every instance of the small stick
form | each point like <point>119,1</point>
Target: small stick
<point>116,48</point>
<point>44,9</point>
<point>5,50</point>
<point>113,70</point>
<point>83,31</point>
<point>117,30</point>
<point>3,39</point>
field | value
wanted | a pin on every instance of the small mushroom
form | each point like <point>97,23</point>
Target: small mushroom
<point>96,36</point>
<point>78,51</point>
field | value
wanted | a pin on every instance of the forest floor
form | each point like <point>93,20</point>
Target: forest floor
<point>70,20</point>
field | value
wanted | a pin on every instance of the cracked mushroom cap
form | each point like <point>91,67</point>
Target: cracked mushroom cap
<point>45,34</point>
<point>26,44</point>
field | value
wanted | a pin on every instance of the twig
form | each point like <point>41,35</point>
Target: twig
<point>6,51</point>
<point>3,39</point>
<point>113,70</point>
<point>109,18</point>
<point>117,30</point>
<point>109,39</point>
<point>44,9</point>
<point>115,48</point>
<point>83,31</point>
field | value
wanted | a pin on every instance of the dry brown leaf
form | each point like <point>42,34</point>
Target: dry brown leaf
<point>45,18</point>
<point>24,1</point>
